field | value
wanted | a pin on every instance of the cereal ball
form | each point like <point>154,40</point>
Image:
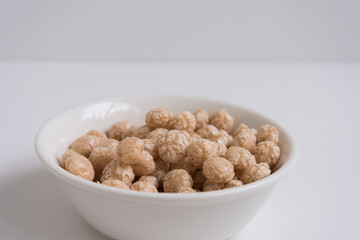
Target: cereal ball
<point>177,179</point>
<point>172,147</point>
<point>157,134</point>
<point>267,133</point>
<point>130,150</point>
<point>69,153</point>
<point>201,150</point>
<point>158,118</point>
<point>141,132</point>
<point>245,139</point>
<point>199,180</point>
<point>187,164</point>
<point>222,149</point>
<point>202,118</point>
<point>210,186</point>
<point>144,166</point>
<point>183,121</point>
<point>97,133</point>
<point>267,152</point>
<point>151,146</point>
<point>225,138</point>
<point>118,130</point>
<point>187,190</point>
<point>85,144</point>
<point>255,172</point>
<point>233,183</point>
<point>118,171</point>
<point>240,158</point>
<point>209,132</point>
<point>194,136</point>
<point>221,119</point>
<point>79,165</point>
<point>218,170</point>
<point>143,187</point>
<point>161,168</point>
<point>149,179</point>
<point>102,154</point>
<point>116,183</point>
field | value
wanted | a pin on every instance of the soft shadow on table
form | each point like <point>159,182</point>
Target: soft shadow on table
<point>33,206</point>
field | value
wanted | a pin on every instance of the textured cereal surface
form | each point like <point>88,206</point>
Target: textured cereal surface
<point>202,118</point>
<point>177,179</point>
<point>233,184</point>
<point>209,132</point>
<point>222,120</point>
<point>172,147</point>
<point>187,164</point>
<point>156,134</point>
<point>85,144</point>
<point>118,130</point>
<point>141,132</point>
<point>210,186</point>
<point>225,138</point>
<point>187,190</point>
<point>246,138</point>
<point>130,150</point>
<point>240,158</point>
<point>116,183</point>
<point>145,165</point>
<point>80,166</point>
<point>66,156</point>
<point>150,179</point>
<point>161,168</point>
<point>267,133</point>
<point>218,170</point>
<point>151,146</point>
<point>97,133</point>
<point>255,173</point>
<point>183,121</point>
<point>116,170</point>
<point>142,186</point>
<point>267,152</point>
<point>158,118</point>
<point>201,150</point>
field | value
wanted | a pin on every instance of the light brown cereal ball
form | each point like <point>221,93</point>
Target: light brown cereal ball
<point>69,153</point>
<point>187,164</point>
<point>222,149</point>
<point>102,154</point>
<point>187,190</point>
<point>130,150</point>
<point>172,147</point>
<point>267,152</point>
<point>225,138</point>
<point>118,171</point>
<point>150,179</point>
<point>194,136</point>
<point>177,179</point>
<point>233,183</point>
<point>183,121</point>
<point>158,118</point>
<point>80,166</point>
<point>240,158</point>
<point>161,168</point>
<point>218,170</point>
<point>221,119</point>
<point>267,133</point>
<point>97,133</point>
<point>201,150</point>
<point>116,183</point>
<point>210,186</point>
<point>130,132</point>
<point>245,139</point>
<point>118,130</point>
<point>209,132</point>
<point>143,187</point>
<point>255,173</point>
<point>151,146</point>
<point>199,180</point>
<point>202,118</point>
<point>141,132</point>
<point>157,134</point>
<point>85,144</point>
<point>145,165</point>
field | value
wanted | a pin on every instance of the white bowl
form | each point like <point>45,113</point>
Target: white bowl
<point>123,214</point>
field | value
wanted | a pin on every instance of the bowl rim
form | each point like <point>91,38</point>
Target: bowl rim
<point>100,189</point>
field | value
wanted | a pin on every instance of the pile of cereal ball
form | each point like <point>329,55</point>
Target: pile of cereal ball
<point>182,153</point>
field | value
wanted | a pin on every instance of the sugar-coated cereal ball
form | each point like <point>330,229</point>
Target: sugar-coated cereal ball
<point>233,183</point>
<point>187,190</point>
<point>145,165</point>
<point>225,138</point>
<point>177,179</point>
<point>158,118</point>
<point>97,133</point>
<point>209,132</point>
<point>202,118</point>
<point>141,132</point>
<point>118,171</point>
<point>218,170</point>
<point>199,180</point>
<point>102,154</point>
<point>149,179</point>
<point>267,133</point>
<point>151,146</point>
<point>161,168</point>
<point>267,152</point>
<point>116,183</point>
<point>79,165</point>
<point>172,147</point>
<point>142,186</point>
<point>65,156</point>
<point>201,150</point>
<point>183,121</point>
<point>210,186</point>
<point>187,164</point>
<point>130,150</point>
<point>245,139</point>
<point>221,119</point>
<point>118,130</point>
<point>85,144</point>
<point>157,134</point>
<point>240,158</point>
<point>255,173</point>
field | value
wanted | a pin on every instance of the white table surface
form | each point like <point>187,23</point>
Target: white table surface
<point>320,199</point>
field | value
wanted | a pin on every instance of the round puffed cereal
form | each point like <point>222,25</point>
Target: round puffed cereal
<point>97,133</point>
<point>158,118</point>
<point>161,168</point>
<point>267,152</point>
<point>221,119</point>
<point>233,184</point>
<point>177,179</point>
<point>202,118</point>
<point>187,164</point>
<point>245,139</point>
<point>187,190</point>
<point>157,134</point>
<point>85,144</point>
<point>143,187</point>
<point>209,132</point>
<point>80,166</point>
<point>267,133</point>
<point>116,170</point>
<point>218,170</point>
<point>130,150</point>
<point>145,166</point>
<point>172,147</point>
<point>118,130</point>
<point>210,186</point>
<point>201,150</point>
<point>149,179</point>
<point>65,156</point>
<point>222,149</point>
<point>151,146</point>
<point>183,121</point>
<point>225,138</point>
<point>102,154</point>
<point>116,183</point>
<point>255,173</point>
<point>240,158</point>
<point>199,180</point>
<point>194,136</point>
<point>141,132</point>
